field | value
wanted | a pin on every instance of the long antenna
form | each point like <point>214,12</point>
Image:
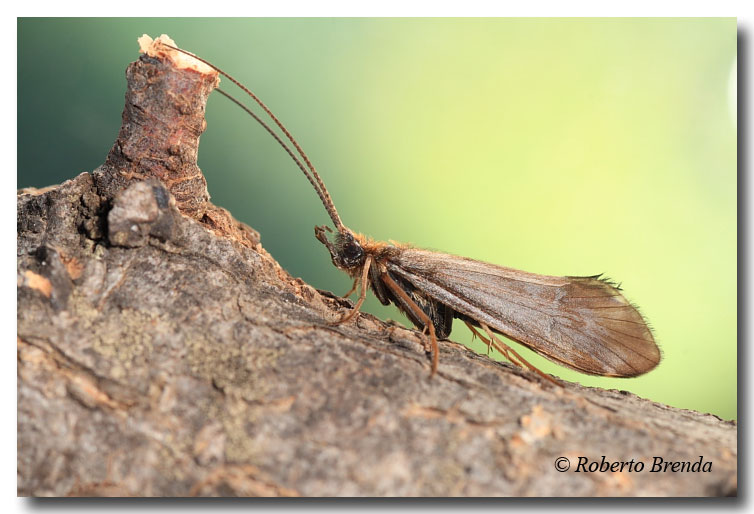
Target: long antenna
<point>306,173</point>
<point>314,178</point>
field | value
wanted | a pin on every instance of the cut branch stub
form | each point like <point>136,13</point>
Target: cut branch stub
<point>162,120</point>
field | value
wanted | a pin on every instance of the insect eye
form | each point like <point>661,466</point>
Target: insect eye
<point>352,254</point>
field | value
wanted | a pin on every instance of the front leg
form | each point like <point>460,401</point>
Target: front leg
<point>362,295</point>
<point>417,313</point>
<point>353,288</point>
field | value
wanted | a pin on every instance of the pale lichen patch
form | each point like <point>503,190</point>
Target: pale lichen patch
<point>38,282</point>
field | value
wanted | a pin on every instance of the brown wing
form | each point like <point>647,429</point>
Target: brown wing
<point>581,322</point>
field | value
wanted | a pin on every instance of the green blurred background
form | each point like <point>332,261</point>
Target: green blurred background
<point>557,146</point>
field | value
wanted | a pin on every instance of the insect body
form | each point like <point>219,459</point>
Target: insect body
<point>583,323</point>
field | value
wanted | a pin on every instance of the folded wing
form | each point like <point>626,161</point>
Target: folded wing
<point>581,322</point>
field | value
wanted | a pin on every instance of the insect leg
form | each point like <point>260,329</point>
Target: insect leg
<point>488,342</point>
<point>504,349</point>
<point>377,287</point>
<point>353,288</point>
<point>362,296</point>
<point>419,313</point>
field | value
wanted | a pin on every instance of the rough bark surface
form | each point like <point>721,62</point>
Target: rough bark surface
<point>160,356</point>
<point>162,121</point>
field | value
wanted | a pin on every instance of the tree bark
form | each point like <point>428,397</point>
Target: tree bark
<point>163,352</point>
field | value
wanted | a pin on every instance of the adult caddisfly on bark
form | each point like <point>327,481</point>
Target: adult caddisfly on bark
<point>583,323</point>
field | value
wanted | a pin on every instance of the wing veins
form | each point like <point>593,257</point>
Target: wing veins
<point>547,314</point>
<point>622,320</point>
<point>630,350</point>
<point>602,296</point>
<point>565,332</point>
<point>439,267</point>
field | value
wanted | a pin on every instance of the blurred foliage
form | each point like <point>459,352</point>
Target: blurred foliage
<point>557,146</point>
